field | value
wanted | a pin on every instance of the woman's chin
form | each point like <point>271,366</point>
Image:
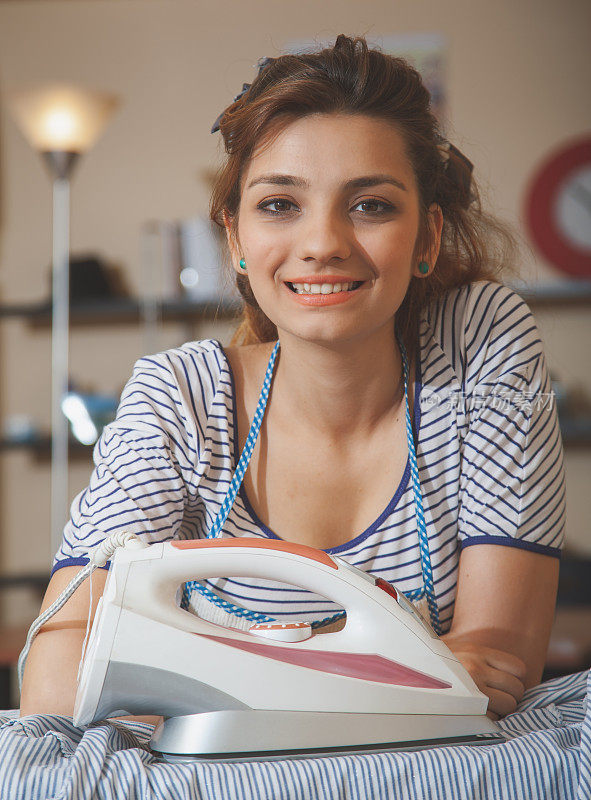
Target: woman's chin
<point>336,336</point>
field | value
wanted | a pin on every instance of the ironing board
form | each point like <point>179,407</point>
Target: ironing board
<point>548,757</point>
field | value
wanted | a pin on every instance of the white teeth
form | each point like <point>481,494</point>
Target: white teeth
<point>321,288</point>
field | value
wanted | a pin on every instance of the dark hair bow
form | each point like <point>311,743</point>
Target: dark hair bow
<point>462,176</point>
<point>261,63</point>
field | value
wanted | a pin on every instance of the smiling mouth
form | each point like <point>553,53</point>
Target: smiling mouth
<point>323,288</point>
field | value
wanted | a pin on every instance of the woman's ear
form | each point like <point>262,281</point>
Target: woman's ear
<point>435,227</point>
<point>435,223</point>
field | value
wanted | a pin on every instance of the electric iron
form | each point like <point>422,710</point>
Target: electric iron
<point>384,682</point>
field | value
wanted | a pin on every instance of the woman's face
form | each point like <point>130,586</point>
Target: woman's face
<point>328,220</point>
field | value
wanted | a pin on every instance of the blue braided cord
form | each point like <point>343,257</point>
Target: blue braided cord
<point>241,467</point>
<point>420,516</point>
<point>251,440</point>
<point>194,586</point>
<point>238,611</point>
<point>414,594</point>
<point>320,623</point>
<point>190,586</point>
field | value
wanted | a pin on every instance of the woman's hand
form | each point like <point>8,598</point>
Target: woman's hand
<point>498,675</point>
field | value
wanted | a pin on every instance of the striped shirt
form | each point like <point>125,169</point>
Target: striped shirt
<point>548,756</point>
<point>488,449</point>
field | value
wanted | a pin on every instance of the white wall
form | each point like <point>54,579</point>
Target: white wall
<point>518,73</point>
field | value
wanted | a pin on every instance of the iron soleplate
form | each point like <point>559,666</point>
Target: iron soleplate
<point>272,735</point>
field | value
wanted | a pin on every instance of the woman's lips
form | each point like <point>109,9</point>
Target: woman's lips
<point>319,299</point>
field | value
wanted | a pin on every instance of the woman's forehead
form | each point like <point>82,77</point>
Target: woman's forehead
<point>328,146</point>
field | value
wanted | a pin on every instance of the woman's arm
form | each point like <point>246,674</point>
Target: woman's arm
<point>511,500</point>
<point>50,678</point>
<point>502,620</point>
<point>49,682</point>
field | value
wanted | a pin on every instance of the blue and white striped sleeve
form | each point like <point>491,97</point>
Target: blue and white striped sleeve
<point>137,484</point>
<point>512,489</point>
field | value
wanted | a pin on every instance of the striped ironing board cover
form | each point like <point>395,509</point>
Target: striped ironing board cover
<point>548,757</point>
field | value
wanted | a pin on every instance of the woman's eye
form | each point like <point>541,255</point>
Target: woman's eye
<point>265,207</point>
<point>283,206</point>
<point>386,207</point>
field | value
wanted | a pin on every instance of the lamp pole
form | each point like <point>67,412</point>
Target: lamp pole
<point>60,122</point>
<point>60,164</point>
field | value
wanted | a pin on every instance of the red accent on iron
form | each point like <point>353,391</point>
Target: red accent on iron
<point>371,667</point>
<point>387,587</point>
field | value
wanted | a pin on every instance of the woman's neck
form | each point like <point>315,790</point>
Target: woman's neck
<point>344,390</point>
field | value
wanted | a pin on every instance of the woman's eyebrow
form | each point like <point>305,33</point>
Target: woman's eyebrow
<point>355,183</point>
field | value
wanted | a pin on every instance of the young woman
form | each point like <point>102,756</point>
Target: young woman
<point>407,426</point>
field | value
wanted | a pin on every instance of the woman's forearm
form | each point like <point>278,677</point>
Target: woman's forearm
<point>49,682</point>
<point>50,679</point>
<point>51,672</point>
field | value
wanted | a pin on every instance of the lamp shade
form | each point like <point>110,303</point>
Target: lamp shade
<point>59,117</point>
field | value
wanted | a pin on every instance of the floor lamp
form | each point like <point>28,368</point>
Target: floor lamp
<point>61,123</point>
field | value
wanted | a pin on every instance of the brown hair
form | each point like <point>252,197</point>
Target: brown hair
<point>351,78</point>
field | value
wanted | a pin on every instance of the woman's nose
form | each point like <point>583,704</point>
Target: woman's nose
<point>324,236</point>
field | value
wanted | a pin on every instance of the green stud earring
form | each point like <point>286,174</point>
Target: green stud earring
<point>242,264</point>
<point>423,268</point>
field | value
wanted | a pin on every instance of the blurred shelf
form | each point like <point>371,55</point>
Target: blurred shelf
<point>575,432</point>
<point>36,581</point>
<point>122,311</point>
<point>564,294</point>
<point>40,448</point>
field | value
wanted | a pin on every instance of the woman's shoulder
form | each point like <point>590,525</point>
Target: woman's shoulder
<point>480,321</point>
<point>476,309</point>
<point>192,374</point>
<point>204,369</point>
<point>194,363</point>
<point>199,353</point>
<point>480,300</point>
<point>170,391</point>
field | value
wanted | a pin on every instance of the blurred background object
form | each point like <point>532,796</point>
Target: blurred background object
<point>88,414</point>
<point>61,123</point>
<point>558,207</point>
<point>93,279</point>
<point>201,274</point>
